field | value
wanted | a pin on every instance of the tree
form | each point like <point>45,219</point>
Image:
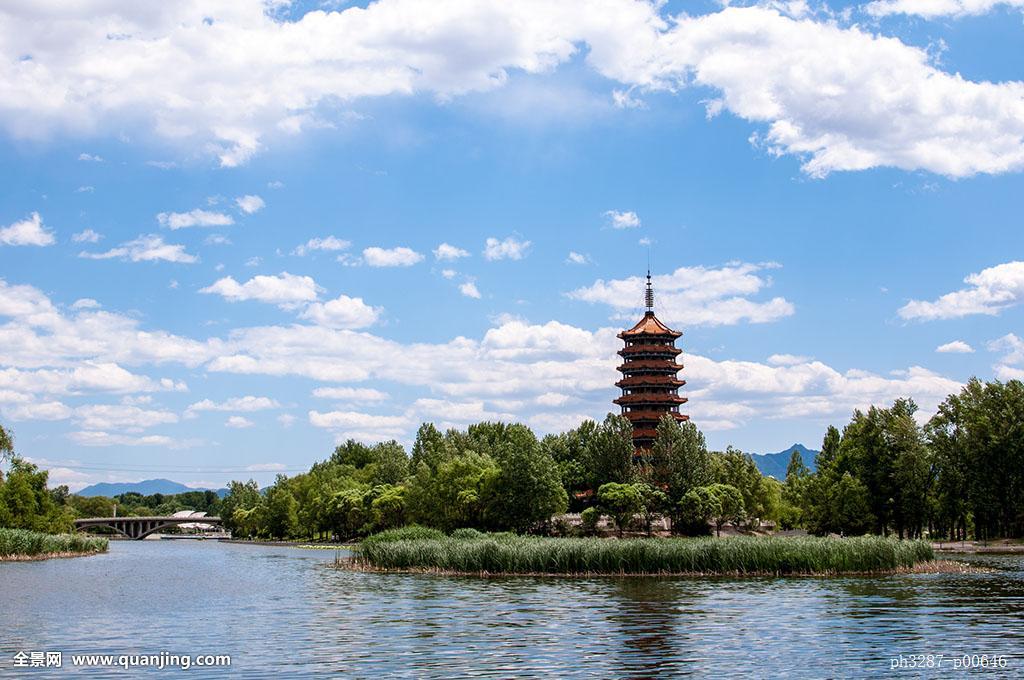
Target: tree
<point>679,460</point>
<point>794,492</point>
<point>392,465</point>
<point>728,506</point>
<point>737,469</point>
<point>609,452</point>
<point>26,503</point>
<point>429,448</point>
<point>282,518</point>
<point>696,509</point>
<point>526,490</point>
<point>240,496</point>
<point>6,445</point>
<point>655,502</point>
<point>621,502</point>
<point>451,496</point>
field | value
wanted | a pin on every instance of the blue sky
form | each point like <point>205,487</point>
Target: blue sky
<point>221,230</point>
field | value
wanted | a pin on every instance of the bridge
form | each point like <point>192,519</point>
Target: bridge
<point>138,528</point>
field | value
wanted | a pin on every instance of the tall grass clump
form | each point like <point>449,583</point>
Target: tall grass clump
<point>23,543</point>
<point>508,554</point>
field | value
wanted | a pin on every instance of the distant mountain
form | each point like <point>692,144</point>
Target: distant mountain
<point>146,488</point>
<point>775,464</point>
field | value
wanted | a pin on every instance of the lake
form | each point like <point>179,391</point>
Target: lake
<point>287,609</point>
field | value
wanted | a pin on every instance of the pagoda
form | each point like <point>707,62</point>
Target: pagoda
<point>650,387</point>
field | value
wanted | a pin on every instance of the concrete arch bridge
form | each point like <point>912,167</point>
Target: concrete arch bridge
<point>138,528</point>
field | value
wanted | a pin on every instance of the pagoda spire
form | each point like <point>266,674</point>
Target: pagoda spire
<point>649,295</point>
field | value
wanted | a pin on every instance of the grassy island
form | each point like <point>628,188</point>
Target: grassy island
<point>471,552</point>
<point>21,544</point>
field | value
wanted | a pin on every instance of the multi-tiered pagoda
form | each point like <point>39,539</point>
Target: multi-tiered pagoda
<point>650,388</point>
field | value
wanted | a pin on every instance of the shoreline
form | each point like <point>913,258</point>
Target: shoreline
<point>288,544</point>
<point>931,567</point>
<point>49,556</point>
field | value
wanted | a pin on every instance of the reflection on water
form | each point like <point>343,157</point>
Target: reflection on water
<point>288,609</point>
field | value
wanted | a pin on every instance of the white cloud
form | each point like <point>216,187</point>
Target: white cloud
<point>285,290</point>
<point>85,303</point>
<point>86,236</point>
<point>286,420</point>
<point>90,157</point>
<point>695,296</point>
<point>1009,366</point>
<point>391,257</point>
<point>194,218</point>
<point>85,189</point>
<point>246,404</point>
<point>342,312</point>
<point>89,438</point>
<point>146,248</point>
<point>955,347</point>
<point>932,9</point>
<point>46,410</point>
<point>576,258</point>
<point>989,292</point>
<point>622,220</point>
<point>250,204</point>
<point>350,394</point>
<point>266,467</point>
<point>449,273</point>
<point>27,232</point>
<point>469,289</point>
<point>121,417</point>
<point>363,426</point>
<point>238,422</point>
<point>838,97</point>
<point>254,261</point>
<point>329,243</point>
<point>217,240</point>
<point>509,248</point>
<point>787,359</point>
<point>446,251</point>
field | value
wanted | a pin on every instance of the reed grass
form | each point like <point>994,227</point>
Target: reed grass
<point>736,555</point>
<point>16,543</point>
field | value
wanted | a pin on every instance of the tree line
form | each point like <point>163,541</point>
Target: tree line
<point>959,475</point>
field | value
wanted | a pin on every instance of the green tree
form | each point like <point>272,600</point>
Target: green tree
<point>6,445</point>
<point>679,460</point>
<point>526,490</point>
<point>282,511</point>
<point>728,506</point>
<point>621,502</point>
<point>609,452</point>
<point>696,509</point>
<point>450,497</point>
<point>240,496</point>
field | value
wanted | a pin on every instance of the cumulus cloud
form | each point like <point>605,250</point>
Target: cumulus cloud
<point>955,347</point>
<point>121,417</point>
<point>576,258</point>
<point>208,75</point>
<point>446,251</point>
<point>1010,365</point>
<point>328,243</point>
<point>238,422</point>
<point>250,204</point>
<point>146,248</point>
<point>510,248</point>
<point>350,394</point>
<point>787,359</point>
<point>362,426</point>
<point>86,236</point>
<point>695,296</point>
<point>342,312</point>
<point>932,9</point>
<point>990,291</point>
<point>90,158</point>
<point>244,404</point>
<point>285,290</point>
<point>98,438</point>
<point>194,218</point>
<point>391,257</point>
<point>27,232</point>
<point>470,290</point>
<point>622,220</point>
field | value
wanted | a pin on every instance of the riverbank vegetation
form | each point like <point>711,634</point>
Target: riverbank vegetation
<point>963,472</point>
<point>475,553</point>
<point>23,544</point>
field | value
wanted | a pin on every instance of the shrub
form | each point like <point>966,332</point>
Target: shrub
<point>21,542</point>
<point>590,518</point>
<point>467,534</point>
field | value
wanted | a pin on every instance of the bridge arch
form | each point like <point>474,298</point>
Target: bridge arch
<point>137,528</point>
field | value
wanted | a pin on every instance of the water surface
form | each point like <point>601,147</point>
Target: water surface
<point>288,609</point>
